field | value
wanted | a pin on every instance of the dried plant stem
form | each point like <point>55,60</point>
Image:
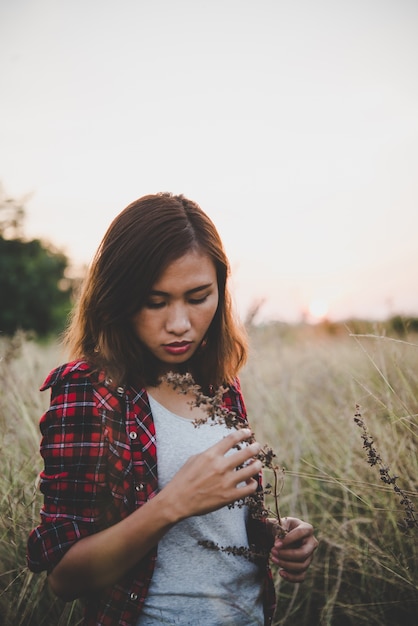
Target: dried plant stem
<point>373,458</point>
<point>276,498</point>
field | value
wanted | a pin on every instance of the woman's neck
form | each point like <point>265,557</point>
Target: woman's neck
<point>180,403</point>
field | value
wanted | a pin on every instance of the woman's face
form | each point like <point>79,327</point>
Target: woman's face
<point>179,310</point>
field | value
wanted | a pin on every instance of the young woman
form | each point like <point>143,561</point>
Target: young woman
<point>132,489</point>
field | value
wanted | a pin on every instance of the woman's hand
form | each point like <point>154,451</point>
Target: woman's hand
<point>293,553</point>
<point>213,478</point>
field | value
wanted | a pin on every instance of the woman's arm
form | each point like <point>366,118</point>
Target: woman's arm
<point>206,482</point>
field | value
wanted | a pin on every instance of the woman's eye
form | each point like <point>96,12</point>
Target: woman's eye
<point>155,305</point>
<point>198,300</point>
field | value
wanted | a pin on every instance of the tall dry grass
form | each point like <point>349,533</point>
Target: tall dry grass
<point>302,390</point>
<point>25,599</point>
<point>301,387</point>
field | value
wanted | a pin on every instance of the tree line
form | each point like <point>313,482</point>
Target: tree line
<point>35,291</point>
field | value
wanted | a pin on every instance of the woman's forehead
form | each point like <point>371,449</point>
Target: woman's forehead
<point>192,270</point>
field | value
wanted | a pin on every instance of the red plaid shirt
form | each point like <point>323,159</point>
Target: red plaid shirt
<point>100,459</point>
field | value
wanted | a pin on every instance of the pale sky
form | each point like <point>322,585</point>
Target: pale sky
<point>293,123</point>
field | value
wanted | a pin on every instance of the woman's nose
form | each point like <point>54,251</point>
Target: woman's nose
<point>178,321</point>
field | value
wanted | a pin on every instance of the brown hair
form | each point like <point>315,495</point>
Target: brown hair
<point>140,243</point>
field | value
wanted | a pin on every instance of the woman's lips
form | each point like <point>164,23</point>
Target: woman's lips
<point>177,347</point>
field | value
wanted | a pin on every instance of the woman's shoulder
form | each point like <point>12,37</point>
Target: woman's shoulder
<point>73,371</point>
<point>77,383</point>
<point>79,394</point>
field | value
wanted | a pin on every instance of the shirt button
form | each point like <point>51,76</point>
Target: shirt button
<point>134,596</point>
<point>133,434</point>
<point>139,487</point>
<point>120,391</point>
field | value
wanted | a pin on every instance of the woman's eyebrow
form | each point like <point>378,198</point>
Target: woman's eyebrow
<point>157,292</point>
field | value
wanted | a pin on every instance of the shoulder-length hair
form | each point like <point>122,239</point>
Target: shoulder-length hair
<point>140,243</point>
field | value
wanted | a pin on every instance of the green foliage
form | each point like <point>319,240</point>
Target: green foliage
<point>34,293</point>
<point>403,325</point>
<point>32,298</point>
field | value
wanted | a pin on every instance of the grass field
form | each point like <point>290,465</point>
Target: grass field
<point>302,386</point>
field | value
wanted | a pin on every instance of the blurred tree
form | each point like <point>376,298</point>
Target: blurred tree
<point>34,292</point>
<point>12,214</point>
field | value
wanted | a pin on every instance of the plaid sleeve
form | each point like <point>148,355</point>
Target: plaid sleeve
<point>73,480</point>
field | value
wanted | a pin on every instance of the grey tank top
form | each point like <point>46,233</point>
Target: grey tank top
<point>192,584</point>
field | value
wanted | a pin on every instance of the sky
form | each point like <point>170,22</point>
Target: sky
<point>293,123</point>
